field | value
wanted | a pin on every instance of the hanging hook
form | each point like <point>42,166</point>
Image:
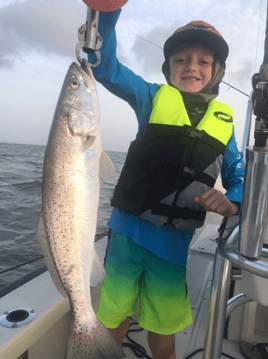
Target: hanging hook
<point>89,38</point>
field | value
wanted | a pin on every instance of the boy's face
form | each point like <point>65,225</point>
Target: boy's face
<point>191,68</point>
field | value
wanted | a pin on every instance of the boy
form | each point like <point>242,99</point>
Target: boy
<point>166,185</point>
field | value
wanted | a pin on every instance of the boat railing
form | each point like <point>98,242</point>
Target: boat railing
<point>220,307</point>
<point>242,244</point>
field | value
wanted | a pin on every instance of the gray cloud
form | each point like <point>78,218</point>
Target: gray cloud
<point>149,56</point>
<point>241,77</point>
<point>48,26</point>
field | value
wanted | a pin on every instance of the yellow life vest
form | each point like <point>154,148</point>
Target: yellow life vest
<point>173,162</point>
<point>169,109</point>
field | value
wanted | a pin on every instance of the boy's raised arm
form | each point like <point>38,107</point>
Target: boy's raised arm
<point>114,76</point>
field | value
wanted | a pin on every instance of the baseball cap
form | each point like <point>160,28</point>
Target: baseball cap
<point>198,32</point>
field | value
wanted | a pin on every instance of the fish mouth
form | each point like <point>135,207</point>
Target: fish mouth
<point>87,75</point>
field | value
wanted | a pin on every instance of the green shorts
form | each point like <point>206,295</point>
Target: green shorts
<point>164,302</point>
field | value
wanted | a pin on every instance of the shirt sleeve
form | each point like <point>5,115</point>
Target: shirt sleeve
<point>117,78</point>
<point>233,171</point>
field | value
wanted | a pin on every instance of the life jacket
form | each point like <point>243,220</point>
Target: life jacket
<point>173,162</point>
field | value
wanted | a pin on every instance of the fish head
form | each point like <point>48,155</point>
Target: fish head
<point>81,105</point>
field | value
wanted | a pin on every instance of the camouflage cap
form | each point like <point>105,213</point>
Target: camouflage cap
<point>198,32</point>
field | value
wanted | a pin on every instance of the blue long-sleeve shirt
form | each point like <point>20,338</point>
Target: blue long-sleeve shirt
<point>165,242</point>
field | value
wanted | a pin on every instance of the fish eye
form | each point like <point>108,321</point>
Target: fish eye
<point>74,83</point>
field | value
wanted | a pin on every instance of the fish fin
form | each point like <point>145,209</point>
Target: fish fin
<point>42,239</point>
<point>107,170</point>
<point>92,340</point>
<point>98,273</point>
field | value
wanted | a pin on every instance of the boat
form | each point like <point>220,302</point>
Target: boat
<point>45,336</point>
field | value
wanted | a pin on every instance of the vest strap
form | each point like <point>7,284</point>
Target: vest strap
<point>204,178</point>
<point>185,131</point>
<point>168,211</point>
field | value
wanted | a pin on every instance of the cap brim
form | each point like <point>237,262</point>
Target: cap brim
<point>208,39</point>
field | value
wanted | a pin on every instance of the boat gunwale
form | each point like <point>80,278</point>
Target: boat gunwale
<point>23,280</point>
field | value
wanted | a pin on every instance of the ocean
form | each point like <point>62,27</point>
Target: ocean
<point>20,205</point>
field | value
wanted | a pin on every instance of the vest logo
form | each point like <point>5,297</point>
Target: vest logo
<point>223,116</point>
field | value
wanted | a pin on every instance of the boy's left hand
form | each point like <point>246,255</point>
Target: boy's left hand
<point>215,201</point>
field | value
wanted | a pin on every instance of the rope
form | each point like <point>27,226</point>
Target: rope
<point>140,352</point>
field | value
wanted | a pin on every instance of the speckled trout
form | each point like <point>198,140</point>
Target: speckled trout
<point>73,164</point>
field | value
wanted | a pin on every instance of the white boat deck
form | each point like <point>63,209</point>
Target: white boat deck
<point>182,343</point>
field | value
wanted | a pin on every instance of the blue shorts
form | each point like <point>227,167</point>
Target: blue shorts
<point>164,302</point>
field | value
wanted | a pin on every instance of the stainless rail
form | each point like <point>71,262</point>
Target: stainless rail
<point>227,253</point>
<point>254,207</point>
<point>253,265</point>
<point>235,302</point>
<point>218,304</point>
<point>248,122</point>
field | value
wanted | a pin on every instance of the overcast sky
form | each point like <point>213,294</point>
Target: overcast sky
<point>38,41</point>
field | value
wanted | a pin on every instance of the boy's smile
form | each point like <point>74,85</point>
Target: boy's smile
<point>191,68</point>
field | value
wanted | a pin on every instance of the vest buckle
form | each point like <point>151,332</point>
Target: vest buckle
<point>196,133</point>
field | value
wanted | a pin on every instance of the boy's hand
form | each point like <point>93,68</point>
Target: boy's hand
<point>215,201</point>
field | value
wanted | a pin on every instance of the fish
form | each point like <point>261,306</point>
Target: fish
<point>74,162</point>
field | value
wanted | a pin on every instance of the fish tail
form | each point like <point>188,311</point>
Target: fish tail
<point>92,341</point>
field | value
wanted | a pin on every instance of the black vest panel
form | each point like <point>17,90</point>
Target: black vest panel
<point>155,167</point>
